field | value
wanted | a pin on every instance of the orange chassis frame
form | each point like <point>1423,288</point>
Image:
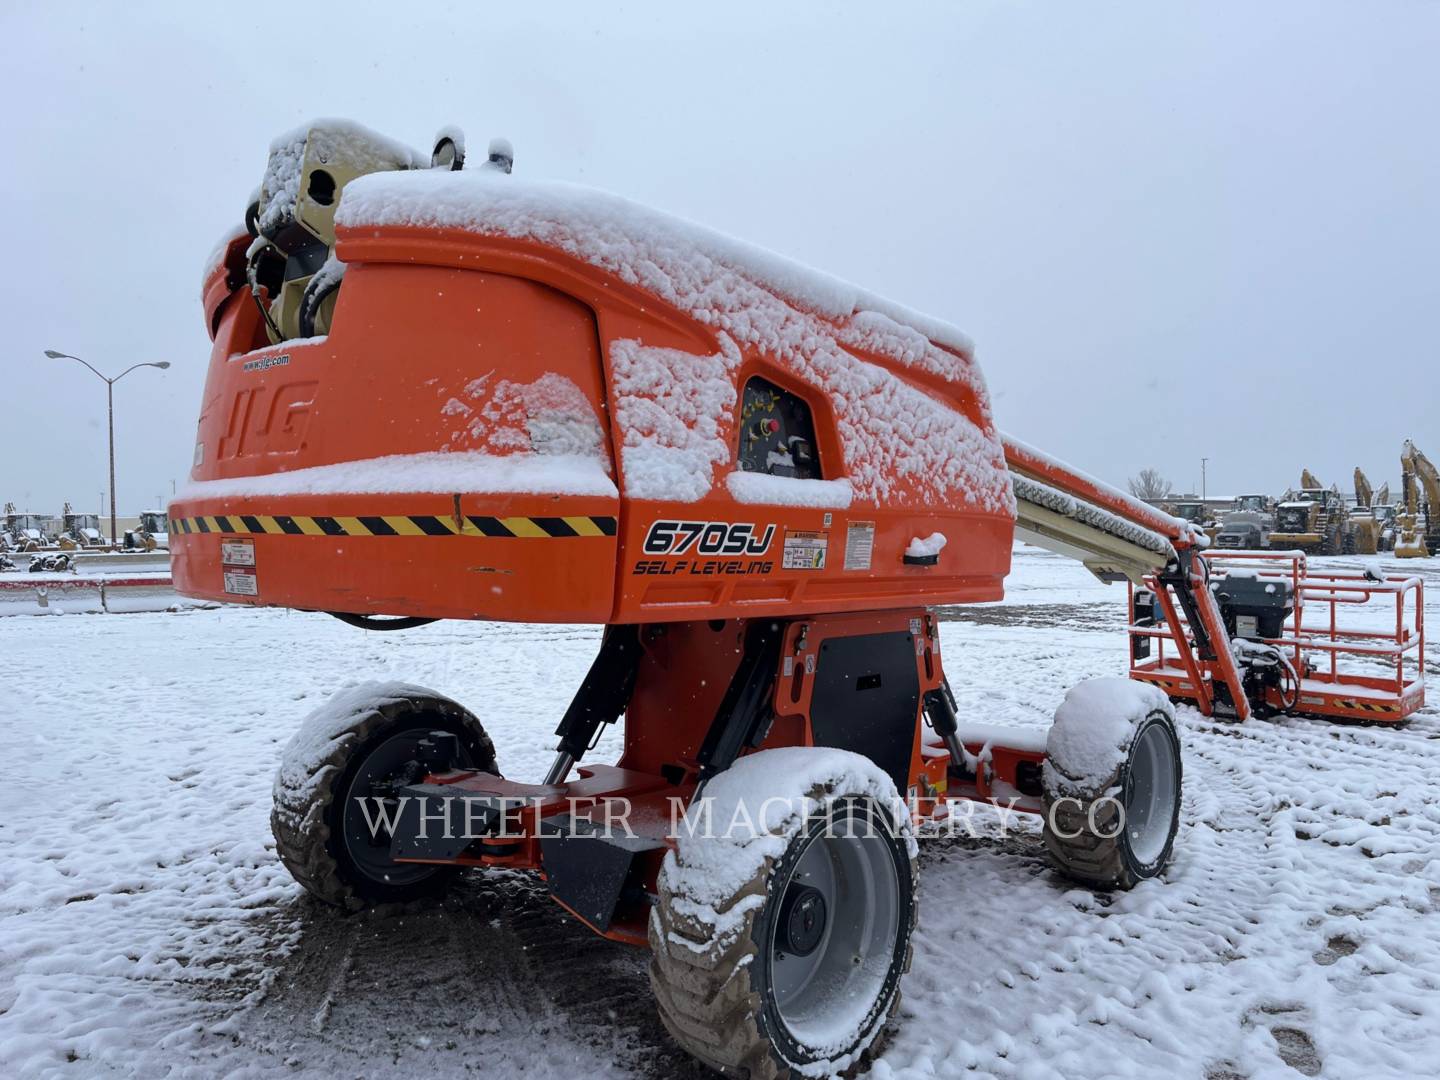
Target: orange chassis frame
<point>696,661</point>
<point>641,797</point>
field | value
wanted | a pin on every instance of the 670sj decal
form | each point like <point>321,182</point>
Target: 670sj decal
<point>707,538</point>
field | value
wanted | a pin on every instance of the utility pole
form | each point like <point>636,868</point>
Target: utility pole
<point>110,408</point>
<point>1203,492</point>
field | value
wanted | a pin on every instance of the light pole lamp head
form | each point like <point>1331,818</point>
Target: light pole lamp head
<point>162,364</point>
<point>53,355</point>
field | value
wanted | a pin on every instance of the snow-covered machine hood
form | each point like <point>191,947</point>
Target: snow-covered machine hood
<point>614,233</point>
<point>822,328</point>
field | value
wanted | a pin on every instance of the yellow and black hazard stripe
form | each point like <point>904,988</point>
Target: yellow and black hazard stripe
<point>1368,706</point>
<point>396,525</point>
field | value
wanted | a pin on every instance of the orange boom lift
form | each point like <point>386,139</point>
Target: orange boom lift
<point>444,393</point>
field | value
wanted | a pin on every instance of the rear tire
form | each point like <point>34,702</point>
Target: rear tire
<point>1116,829</point>
<point>359,737</point>
<point>815,939</point>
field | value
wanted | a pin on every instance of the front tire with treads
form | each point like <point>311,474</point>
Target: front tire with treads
<point>781,949</point>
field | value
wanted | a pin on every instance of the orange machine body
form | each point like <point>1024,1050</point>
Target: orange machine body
<point>467,443</point>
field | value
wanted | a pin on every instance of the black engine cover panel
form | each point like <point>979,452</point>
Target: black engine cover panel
<point>867,699</point>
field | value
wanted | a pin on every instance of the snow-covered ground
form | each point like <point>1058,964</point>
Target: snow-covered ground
<point>147,930</point>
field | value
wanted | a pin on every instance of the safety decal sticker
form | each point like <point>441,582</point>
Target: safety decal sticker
<point>235,552</point>
<point>859,545</point>
<point>240,581</point>
<point>805,550</point>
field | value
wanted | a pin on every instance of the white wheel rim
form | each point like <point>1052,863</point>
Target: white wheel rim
<point>827,994</point>
<point>1149,800</point>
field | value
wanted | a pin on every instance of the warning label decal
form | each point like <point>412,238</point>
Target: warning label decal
<point>241,582</point>
<point>859,545</point>
<point>805,550</point>
<point>237,552</point>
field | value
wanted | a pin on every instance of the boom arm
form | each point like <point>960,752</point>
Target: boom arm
<point>1063,510</point>
<point>1364,493</point>
<point>1413,462</point>
<point>1118,537</point>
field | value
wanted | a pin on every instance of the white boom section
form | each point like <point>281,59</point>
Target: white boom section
<point>1110,547</point>
<point>1115,535</point>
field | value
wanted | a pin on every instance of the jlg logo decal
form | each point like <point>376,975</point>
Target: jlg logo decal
<point>263,421</point>
<point>707,538</point>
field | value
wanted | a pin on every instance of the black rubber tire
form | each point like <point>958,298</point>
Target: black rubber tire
<point>306,822</point>
<point>1089,846</point>
<point>712,1000</point>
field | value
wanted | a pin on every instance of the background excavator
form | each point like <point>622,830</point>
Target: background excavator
<point>1419,520</point>
<point>1313,519</point>
<point>1386,517</point>
<point>1363,527</point>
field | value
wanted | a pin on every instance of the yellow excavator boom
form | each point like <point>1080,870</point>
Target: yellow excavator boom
<point>1418,465</point>
<point>1307,479</point>
<point>1363,491</point>
<point>1419,482</point>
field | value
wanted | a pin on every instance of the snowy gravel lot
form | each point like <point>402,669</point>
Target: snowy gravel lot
<point>147,930</point>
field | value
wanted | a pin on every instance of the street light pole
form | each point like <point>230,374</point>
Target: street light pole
<point>1203,491</point>
<point>110,410</point>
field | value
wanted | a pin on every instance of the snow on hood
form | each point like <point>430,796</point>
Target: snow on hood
<point>749,487</point>
<point>811,323</point>
<point>439,472</point>
<point>610,232</point>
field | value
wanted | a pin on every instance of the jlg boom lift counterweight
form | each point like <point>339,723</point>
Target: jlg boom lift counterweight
<point>437,393</point>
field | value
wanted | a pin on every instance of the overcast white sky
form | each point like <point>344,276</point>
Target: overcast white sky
<point>1174,230</point>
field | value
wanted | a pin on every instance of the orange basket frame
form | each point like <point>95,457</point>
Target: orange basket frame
<point>1314,646</point>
